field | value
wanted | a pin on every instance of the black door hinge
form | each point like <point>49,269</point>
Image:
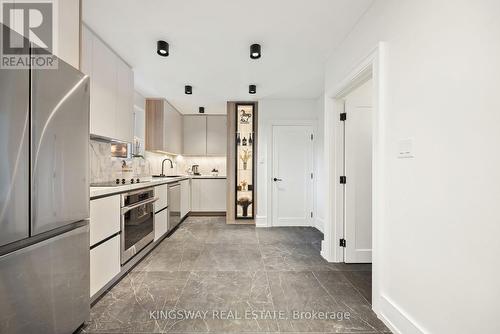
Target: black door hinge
<point>311,214</point>
<point>343,116</point>
<point>312,176</point>
<point>312,136</point>
<point>342,242</point>
<point>343,180</point>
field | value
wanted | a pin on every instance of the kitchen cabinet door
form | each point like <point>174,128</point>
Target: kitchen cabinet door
<point>195,135</point>
<point>104,218</point>
<point>86,61</point>
<point>196,190</point>
<point>185,197</point>
<point>103,90</point>
<point>208,195</point>
<point>216,135</point>
<point>173,129</point>
<point>161,224</point>
<point>104,264</point>
<point>161,192</point>
<point>124,102</point>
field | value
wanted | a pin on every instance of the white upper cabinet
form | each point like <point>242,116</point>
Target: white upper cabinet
<point>195,135</point>
<point>173,125</point>
<point>111,89</point>
<point>216,135</point>
<point>124,102</point>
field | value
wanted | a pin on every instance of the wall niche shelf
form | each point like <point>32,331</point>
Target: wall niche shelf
<point>242,145</point>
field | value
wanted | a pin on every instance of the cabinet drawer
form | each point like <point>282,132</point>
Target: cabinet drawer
<point>161,224</point>
<point>162,193</point>
<point>104,218</point>
<point>104,263</point>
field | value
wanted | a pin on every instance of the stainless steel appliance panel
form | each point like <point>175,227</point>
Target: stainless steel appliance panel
<point>137,222</point>
<point>174,205</point>
<point>45,287</point>
<point>14,163</point>
<point>59,147</point>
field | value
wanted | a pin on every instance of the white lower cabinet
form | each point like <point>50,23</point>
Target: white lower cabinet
<point>104,218</point>
<point>161,224</point>
<point>185,197</point>
<point>208,195</point>
<point>104,263</point>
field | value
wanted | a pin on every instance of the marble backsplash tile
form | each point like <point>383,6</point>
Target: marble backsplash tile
<point>104,168</point>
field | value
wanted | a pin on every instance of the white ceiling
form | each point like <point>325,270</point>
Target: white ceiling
<point>209,45</point>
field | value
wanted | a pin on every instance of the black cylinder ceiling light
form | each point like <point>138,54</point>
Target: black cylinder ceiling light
<point>255,51</point>
<point>188,90</point>
<point>252,89</point>
<point>162,48</point>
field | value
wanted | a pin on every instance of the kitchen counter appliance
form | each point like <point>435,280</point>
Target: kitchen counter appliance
<point>44,198</point>
<point>137,221</point>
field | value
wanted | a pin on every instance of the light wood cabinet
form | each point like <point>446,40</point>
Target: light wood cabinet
<point>195,135</point>
<point>216,135</point>
<point>208,195</point>
<point>111,89</point>
<point>163,127</point>
<point>104,218</point>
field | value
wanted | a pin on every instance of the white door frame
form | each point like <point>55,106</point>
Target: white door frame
<point>270,157</point>
<point>371,66</point>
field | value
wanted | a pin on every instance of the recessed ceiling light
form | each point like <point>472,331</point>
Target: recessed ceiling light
<point>162,48</point>
<point>188,90</point>
<point>201,110</point>
<point>255,51</point>
<point>252,89</point>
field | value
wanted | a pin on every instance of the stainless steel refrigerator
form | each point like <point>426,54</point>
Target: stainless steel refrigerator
<point>44,200</point>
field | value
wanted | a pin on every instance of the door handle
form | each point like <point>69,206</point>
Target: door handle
<point>276,179</point>
<point>148,201</point>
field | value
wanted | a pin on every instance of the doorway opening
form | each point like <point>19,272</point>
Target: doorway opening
<point>356,179</point>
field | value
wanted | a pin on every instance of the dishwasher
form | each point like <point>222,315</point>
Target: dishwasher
<point>174,205</point>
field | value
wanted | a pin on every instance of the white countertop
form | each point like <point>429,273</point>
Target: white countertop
<point>151,182</point>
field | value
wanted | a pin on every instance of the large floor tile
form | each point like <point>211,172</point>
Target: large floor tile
<point>282,256</point>
<point>127,307</point>
<point>229,257</point>
<point>310,307</point>
<point>228,298</point>
<point>172,256</point>
<point>274,235</point>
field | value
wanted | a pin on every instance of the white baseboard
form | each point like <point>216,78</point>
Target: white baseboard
<point>319,223</point>
<point>261,221</point>
<point>396,319</point>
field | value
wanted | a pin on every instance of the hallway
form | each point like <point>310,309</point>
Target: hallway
<point>238,279</point>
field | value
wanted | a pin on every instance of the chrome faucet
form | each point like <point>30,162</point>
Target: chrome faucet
<point>163,163</point>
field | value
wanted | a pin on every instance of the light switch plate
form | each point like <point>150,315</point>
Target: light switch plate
<point>405,148</point>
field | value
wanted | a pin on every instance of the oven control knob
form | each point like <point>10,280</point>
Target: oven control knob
<point>132,181</point>
<point>137,180</point>
<point>117,181</point>
<point>123,181</point>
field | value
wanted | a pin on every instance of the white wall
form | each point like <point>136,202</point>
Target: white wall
<point>275,110</point>
<point>438,267</point>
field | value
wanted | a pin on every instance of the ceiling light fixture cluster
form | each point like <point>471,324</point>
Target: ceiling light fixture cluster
<point>162,48</point>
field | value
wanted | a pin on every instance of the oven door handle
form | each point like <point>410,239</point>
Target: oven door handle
<point>131,207</point>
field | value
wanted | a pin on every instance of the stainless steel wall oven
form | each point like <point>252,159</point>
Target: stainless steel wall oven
<point>137,222</point>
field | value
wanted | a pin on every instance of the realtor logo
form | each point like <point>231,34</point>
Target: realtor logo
<point>31,37</point>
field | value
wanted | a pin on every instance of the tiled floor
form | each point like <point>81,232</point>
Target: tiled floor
<point>238,279</point>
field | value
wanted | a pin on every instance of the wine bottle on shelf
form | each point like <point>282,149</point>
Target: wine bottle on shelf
<point>250,140</point>
<point>238,139</point>
<point>244,141</point>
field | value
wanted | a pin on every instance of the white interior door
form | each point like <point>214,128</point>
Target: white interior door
<point>358,170</point>
<point>291,179</point>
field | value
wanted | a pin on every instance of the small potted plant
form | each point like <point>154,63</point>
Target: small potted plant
<point>245,156</point>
